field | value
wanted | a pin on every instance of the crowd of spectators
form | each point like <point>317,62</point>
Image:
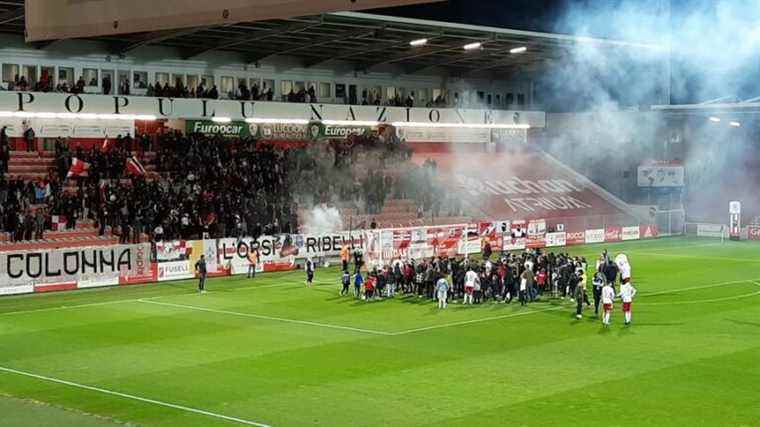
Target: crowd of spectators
<point>214,187</point>
<point>210,91</point>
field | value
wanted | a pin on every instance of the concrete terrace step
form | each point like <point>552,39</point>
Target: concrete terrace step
<point>33,154</point>
<point>57,244</point>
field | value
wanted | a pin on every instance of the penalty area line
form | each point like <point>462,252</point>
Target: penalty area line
<point>133,397</point>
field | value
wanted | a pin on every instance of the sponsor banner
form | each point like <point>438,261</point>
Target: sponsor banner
<point>537,233</point>
<point>613,234</point>
<point>556,239</point>
<point>710,230</point>
<point>16,290</point>
<point>65,128</point>
<point>575,238</point>
<point>173,250</point>
<point>630,233</point>
<point>317,130</point>
<point>236,129</point>
<point>595,236</point>
<point>270,131</point>
<point>661,176</point>
<point>97,283</point>
<point>753,232</point>
<point>280,131</point>
<point>450,135</point>
<point>648,231</point>
<point>52,266</point>
<point>175,270</point>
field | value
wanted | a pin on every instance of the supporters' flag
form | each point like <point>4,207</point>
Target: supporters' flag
<point>78,168</point>
<point>107,144</point>
<point>134,167</point>
<point>58,222</point>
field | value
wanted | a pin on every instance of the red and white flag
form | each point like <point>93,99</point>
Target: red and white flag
<point>78,168</point>
<point>107,144</point>
<point>58,222</point>
<point>134,167</point>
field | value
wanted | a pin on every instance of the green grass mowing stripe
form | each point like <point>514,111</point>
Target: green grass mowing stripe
<point>484,319</point>
<point>121,301</point>
<point>263,317</point>
<point>694,288</point>
<point>133,397</point>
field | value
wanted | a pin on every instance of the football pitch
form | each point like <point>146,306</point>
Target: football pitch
<point>271,352</point>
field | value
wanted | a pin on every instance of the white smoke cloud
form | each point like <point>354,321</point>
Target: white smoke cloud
<point>322,219</point>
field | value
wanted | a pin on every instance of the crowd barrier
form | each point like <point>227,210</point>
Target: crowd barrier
<point>118,265</point>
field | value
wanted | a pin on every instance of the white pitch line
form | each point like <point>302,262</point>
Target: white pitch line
<point>275,319</point>
<point>715,258</point>
<point>484,319</point>
<point>121,301</point>
<point>134,397</point>
<point>69,307</point>
<point>705,301</point>
<point>694,288</point>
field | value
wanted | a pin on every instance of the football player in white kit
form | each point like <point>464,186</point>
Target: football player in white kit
<point>627,293</point>
<point>608,297</point>
<point>625,268</point>
<point>470,278</point>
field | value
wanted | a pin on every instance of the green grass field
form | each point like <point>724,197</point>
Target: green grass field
<point>270,352</point>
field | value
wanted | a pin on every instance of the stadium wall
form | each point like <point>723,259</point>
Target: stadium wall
<point>36,271</point>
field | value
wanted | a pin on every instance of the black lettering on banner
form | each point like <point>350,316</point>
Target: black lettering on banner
<point>336,243</point>
<point>243,249</point>
<point>351,114</point>
<point>49,273</point>
<point>68,267</point>
<point>92,262</point>
<point>242,109</point>
<point>459,115</point>
<point>223,250</point>
<point>204,102</point>
<point>326,243</point>
<point>33,270</point>
<point>161,106</point>
<point>10,263</point>
<point>117,106</point>
<point>488,117</point>
<point>267,247</point>
<point>316,114</point>
<point>21,99</point>
<point>125,260</point>
<point>434,116</point>
<point>408,114</point>
<point>106,260</point>
<point>311,245</point>
<point>79,104</point>
<point>381,114</point>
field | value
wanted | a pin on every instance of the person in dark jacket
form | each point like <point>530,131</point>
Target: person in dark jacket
<point>200,270</point>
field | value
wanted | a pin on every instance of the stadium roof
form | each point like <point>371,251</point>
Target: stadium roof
<point>365,40</point>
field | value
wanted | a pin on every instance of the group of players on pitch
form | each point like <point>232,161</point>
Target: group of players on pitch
<point>525,277</point>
